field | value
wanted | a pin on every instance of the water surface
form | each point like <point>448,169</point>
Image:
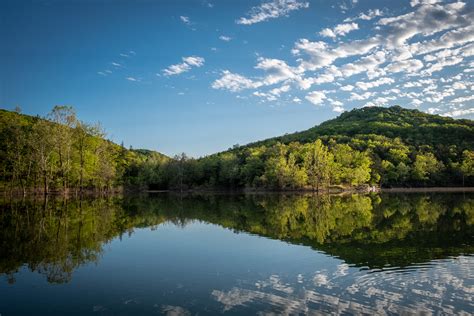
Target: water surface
<point>238,254</point>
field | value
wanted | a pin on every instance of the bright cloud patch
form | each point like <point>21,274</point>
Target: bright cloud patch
<point>185,66</point>
<point>271,10</point>
<point>234,82</point>
<point>185,19</point>
<point>225,38</point>
<point>339,30</point>
<point>316,97</point>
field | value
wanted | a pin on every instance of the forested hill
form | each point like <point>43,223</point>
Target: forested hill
<point>380,146</point>
<point>413,127</point>
<point>60,153</point>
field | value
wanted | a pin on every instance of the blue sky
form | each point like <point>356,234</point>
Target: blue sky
<point>200,76</point>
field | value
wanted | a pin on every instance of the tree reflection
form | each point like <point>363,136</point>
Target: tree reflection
<point>56,236</point>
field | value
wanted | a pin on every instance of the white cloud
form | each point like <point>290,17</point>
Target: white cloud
<point>368,64</point>
<point>371,14</point>
<point>410,65</point>
<point>337,106</point>
<point>185,20</point>
<point>321,55</point>
<point>186,65</point>
<point>225,38</point>
<point>278,91</point>
<point>450,39</point>
<point>441,63</point>
<point>297,100</point>
<point>271,10</point>
<point>463,99</point>
<point>433,110</point>
<point>373,84</point>
<point>316,97</point>
<point>459,112</point>
<point>267,96</point>
<point>277,70</point>
<point>426,20</point>
<point>360,97</point>
<point>339,30</point>
<point>459,86</point>
<point>348,87</point>
<point>132,79</point>
<point>338,109</point>
<point>234,82</point>
<point>194,61</point>
<point>414,3</point>
<point>273,94</point>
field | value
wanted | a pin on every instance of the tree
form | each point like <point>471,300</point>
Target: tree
<point>353,165</point>
<point>297,177</point>
<point>42,150</point>
<point>65,119</point>
<point>318,164</point>
<point>85,144</point>
<point>425,165</point>
<point>467,165</point>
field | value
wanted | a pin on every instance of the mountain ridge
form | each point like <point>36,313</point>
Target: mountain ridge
<point>328,127</point>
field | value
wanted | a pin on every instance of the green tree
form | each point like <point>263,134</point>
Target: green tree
<point>64,118</point>
<point>467,165</point>
<point>425,165</point>
<point>318,164</point>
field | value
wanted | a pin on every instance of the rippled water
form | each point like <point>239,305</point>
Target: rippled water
<point>237,254</point>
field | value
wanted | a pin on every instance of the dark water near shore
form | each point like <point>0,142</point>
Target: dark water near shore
<point>388,253</point>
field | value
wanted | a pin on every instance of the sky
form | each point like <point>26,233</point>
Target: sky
<point>201,76</point>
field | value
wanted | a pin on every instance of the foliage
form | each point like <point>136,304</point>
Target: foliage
<point>369,146</point>
<point>61,153</point>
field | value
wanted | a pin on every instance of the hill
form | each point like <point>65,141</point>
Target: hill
<point>413,127</point>
<point>377,146</point>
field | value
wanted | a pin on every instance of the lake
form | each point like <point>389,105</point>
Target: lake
<point>388,253</point>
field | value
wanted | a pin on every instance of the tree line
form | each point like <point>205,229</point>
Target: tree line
<point>315,166</point>
<point>62,153</point>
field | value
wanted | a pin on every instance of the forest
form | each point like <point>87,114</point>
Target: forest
<point>60,153</point>
<point>384,147</point>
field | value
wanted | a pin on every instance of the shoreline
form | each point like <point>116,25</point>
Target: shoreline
<point>331,191</point>
<point>334,191</point>
<point>428,189</point>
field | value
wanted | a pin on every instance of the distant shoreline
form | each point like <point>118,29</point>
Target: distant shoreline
<point>432,189</point>
<point>332,192</point>
<point>243,191</point>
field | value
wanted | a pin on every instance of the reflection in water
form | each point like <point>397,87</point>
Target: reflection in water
<point>343,291</point>
<point>400,252</point>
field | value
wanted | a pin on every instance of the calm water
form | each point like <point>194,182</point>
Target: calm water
<point>236,254</point>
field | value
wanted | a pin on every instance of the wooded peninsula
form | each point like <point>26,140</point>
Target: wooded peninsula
<point>381,147</point>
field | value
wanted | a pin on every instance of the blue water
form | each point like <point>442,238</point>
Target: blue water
<point>193,267</point>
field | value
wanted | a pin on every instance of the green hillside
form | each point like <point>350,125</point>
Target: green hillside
<point>377,146</point>
<point>62,153</point>
<point>413,127</point>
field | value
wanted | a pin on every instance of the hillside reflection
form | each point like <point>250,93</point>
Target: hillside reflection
<point>55,236</point>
